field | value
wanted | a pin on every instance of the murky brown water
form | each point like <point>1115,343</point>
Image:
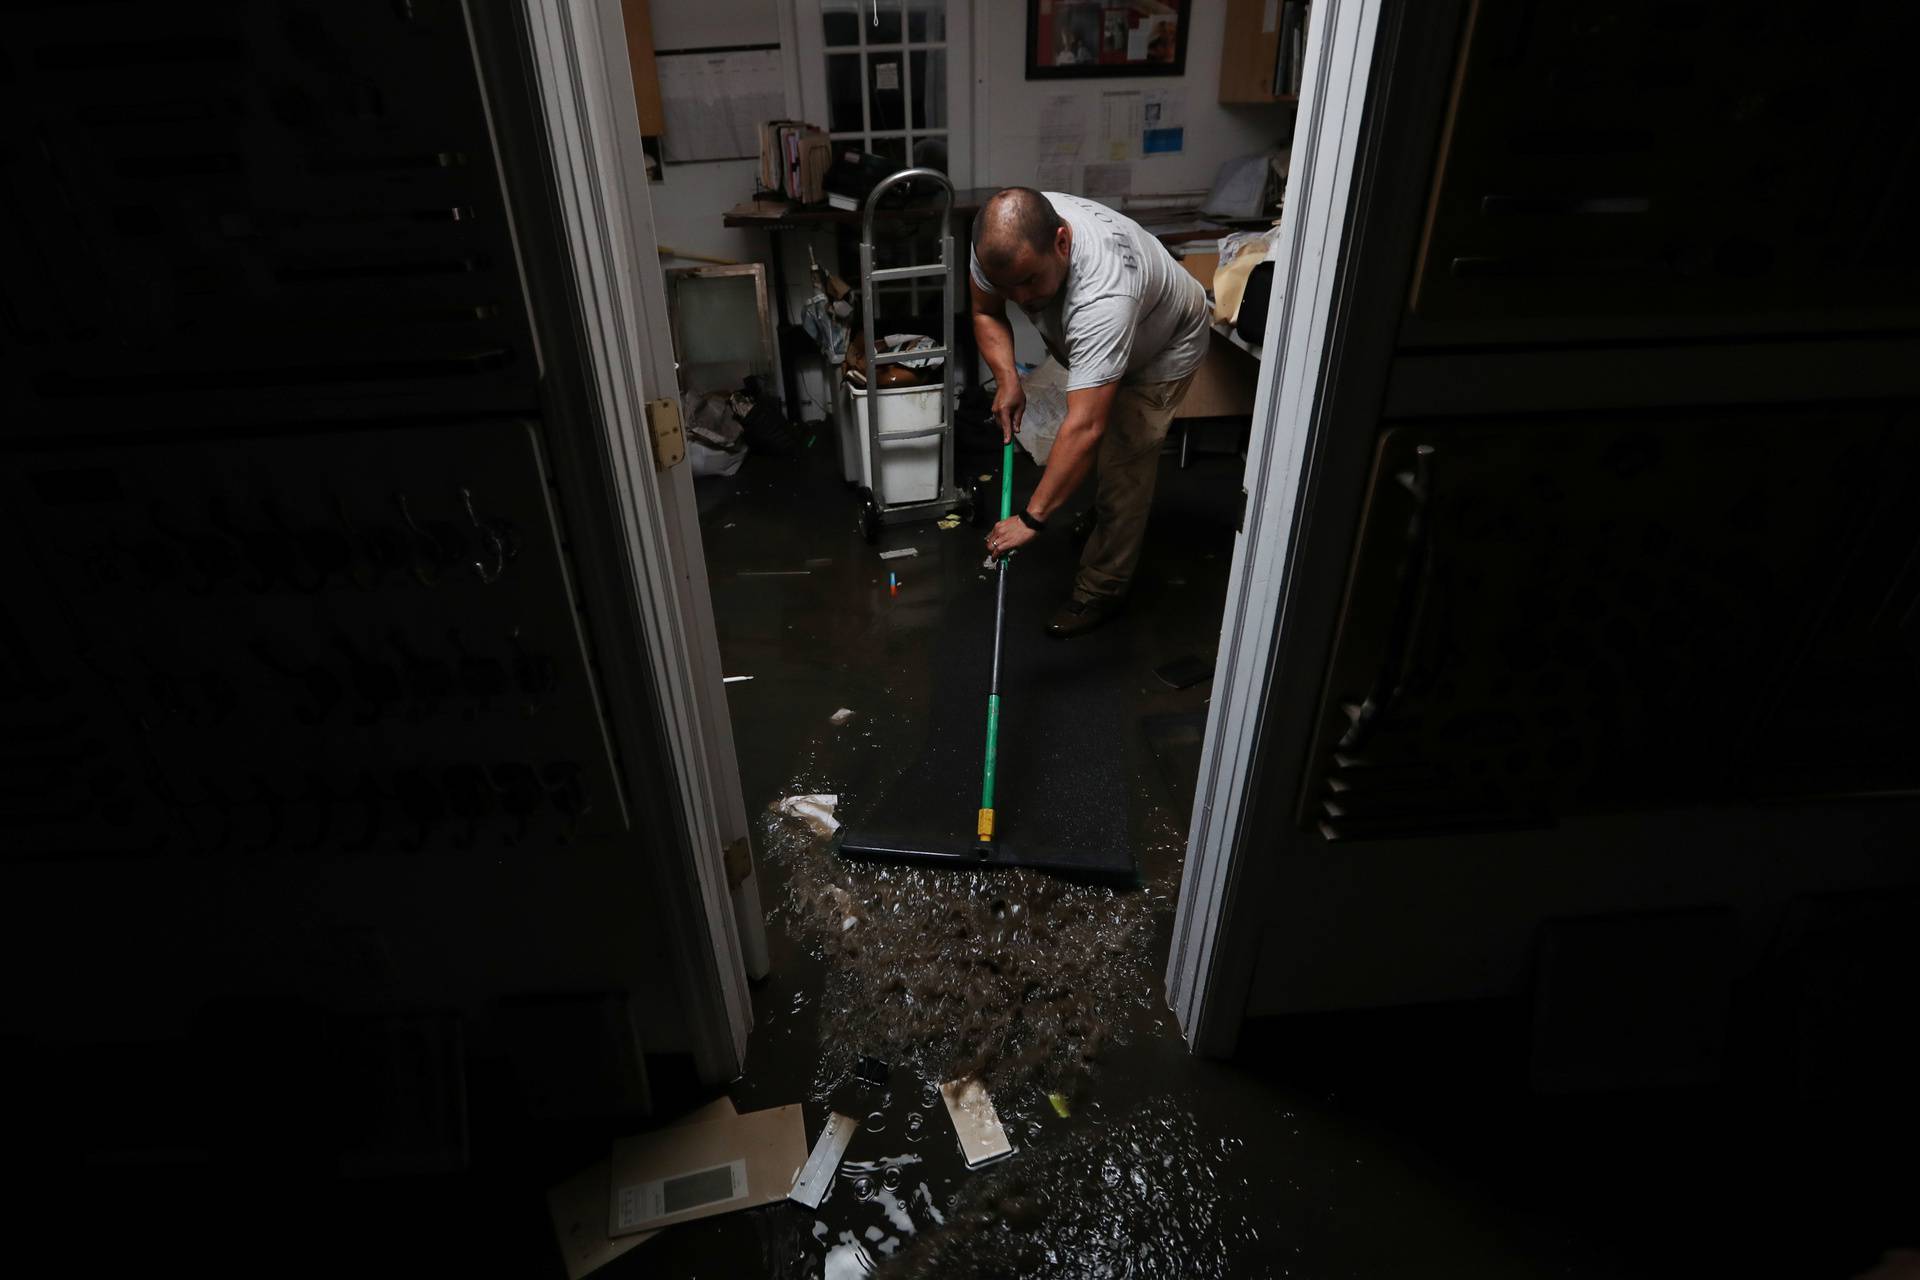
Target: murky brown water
<point>1014,976</point>
<point>1078,1208</point>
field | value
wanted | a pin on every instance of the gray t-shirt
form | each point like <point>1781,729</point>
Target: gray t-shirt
<point>1127,310</point>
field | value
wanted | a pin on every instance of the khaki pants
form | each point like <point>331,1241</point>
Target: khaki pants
<point>1127,466</point>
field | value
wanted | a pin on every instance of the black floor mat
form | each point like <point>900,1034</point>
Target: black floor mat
<point>1060,799</point>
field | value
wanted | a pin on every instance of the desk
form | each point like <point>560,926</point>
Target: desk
<point>1225,330</point>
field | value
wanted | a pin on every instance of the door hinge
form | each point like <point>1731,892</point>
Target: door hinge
<point>669,440</point>
<point>739,860</point>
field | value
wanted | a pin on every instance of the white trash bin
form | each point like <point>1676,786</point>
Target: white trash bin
<point>910,469</point>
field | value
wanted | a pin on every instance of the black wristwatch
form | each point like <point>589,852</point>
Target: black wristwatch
<point>1032,521</point>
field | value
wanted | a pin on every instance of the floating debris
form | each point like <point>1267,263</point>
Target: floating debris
<point>899,552</point>
<point>848,1261</point>
<point>841,716</point>
<point>816,811</point>
<point>948,522</point>
<point>1061,1201</point>
<point>982,1137</point>
<point>816,1176</point>
<point>1015,977</point>
<point>734,679</point>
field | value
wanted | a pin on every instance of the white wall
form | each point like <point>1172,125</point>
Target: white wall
<point>1008,107</point>
<point>688,202</point>
<point>702,24</point>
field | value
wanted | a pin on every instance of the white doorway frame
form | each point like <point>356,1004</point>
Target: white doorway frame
<point>1270,655</point>
<point>1351,217</point>
<point>560,101</point>
<point>1207,967</point>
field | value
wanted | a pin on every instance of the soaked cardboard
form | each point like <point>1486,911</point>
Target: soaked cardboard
<point>695,1171</point>
<point>578,1207</point>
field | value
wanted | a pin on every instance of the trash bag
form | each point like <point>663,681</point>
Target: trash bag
<point>709,416</point>
<point>710,460</point>
<point>764,423</point>
<point>716,440</point>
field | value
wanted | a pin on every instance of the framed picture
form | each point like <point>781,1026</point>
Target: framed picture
<point>1068,39</point>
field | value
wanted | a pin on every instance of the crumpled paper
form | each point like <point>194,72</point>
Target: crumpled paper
<point>815,811</point>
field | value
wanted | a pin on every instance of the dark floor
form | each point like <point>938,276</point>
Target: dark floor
<point>1397,1143</point>
<point>1401,1143</point>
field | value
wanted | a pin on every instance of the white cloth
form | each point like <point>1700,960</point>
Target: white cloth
<point>1127,310</point>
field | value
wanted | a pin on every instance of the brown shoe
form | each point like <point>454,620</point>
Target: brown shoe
<point>1080,615</point>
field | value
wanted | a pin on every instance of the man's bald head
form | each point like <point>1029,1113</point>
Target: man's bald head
<point>1018,235</point>
<point>1016,218</point>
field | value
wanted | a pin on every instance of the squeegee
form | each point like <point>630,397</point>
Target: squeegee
<point>993,685</point>
<point>987,848</point>
<point>989,845</point>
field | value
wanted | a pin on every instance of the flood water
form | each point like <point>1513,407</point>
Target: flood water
<point>1332,1145</point>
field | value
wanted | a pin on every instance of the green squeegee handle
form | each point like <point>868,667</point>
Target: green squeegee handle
<point>1006,483</point>
<point>993,689</point>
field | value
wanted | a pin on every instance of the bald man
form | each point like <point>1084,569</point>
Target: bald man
<point>1130,326</point>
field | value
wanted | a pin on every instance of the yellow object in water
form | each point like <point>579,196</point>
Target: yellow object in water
<point>986,824</point>
<point>1059,1101</point>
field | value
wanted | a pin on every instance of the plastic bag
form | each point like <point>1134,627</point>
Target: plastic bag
<point>1239,254</point>
<point>710,461</point>
<point>827,327</point>
<point>1046,389</point>
<point>709,417</point>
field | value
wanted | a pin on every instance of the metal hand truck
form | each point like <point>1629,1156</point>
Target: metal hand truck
<point>879,512</point>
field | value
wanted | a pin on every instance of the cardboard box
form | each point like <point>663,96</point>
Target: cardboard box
<point>578,1208</point>
<point>694,1171</point>
<point>1201,266</point>
<point>1223,385</point>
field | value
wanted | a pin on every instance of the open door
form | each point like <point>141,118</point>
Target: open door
<point>561,103</point>
<point>1321,298</point>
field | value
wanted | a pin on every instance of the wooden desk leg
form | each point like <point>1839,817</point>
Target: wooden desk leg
<point>789,381</point>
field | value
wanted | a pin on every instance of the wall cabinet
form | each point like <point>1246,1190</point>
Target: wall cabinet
<point>1250,71</point>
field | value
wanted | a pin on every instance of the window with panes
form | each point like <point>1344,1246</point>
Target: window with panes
<point>887,93</point>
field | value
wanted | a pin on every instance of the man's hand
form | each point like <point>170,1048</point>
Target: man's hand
<point>1009,406</point>
<point>1009,535</point>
